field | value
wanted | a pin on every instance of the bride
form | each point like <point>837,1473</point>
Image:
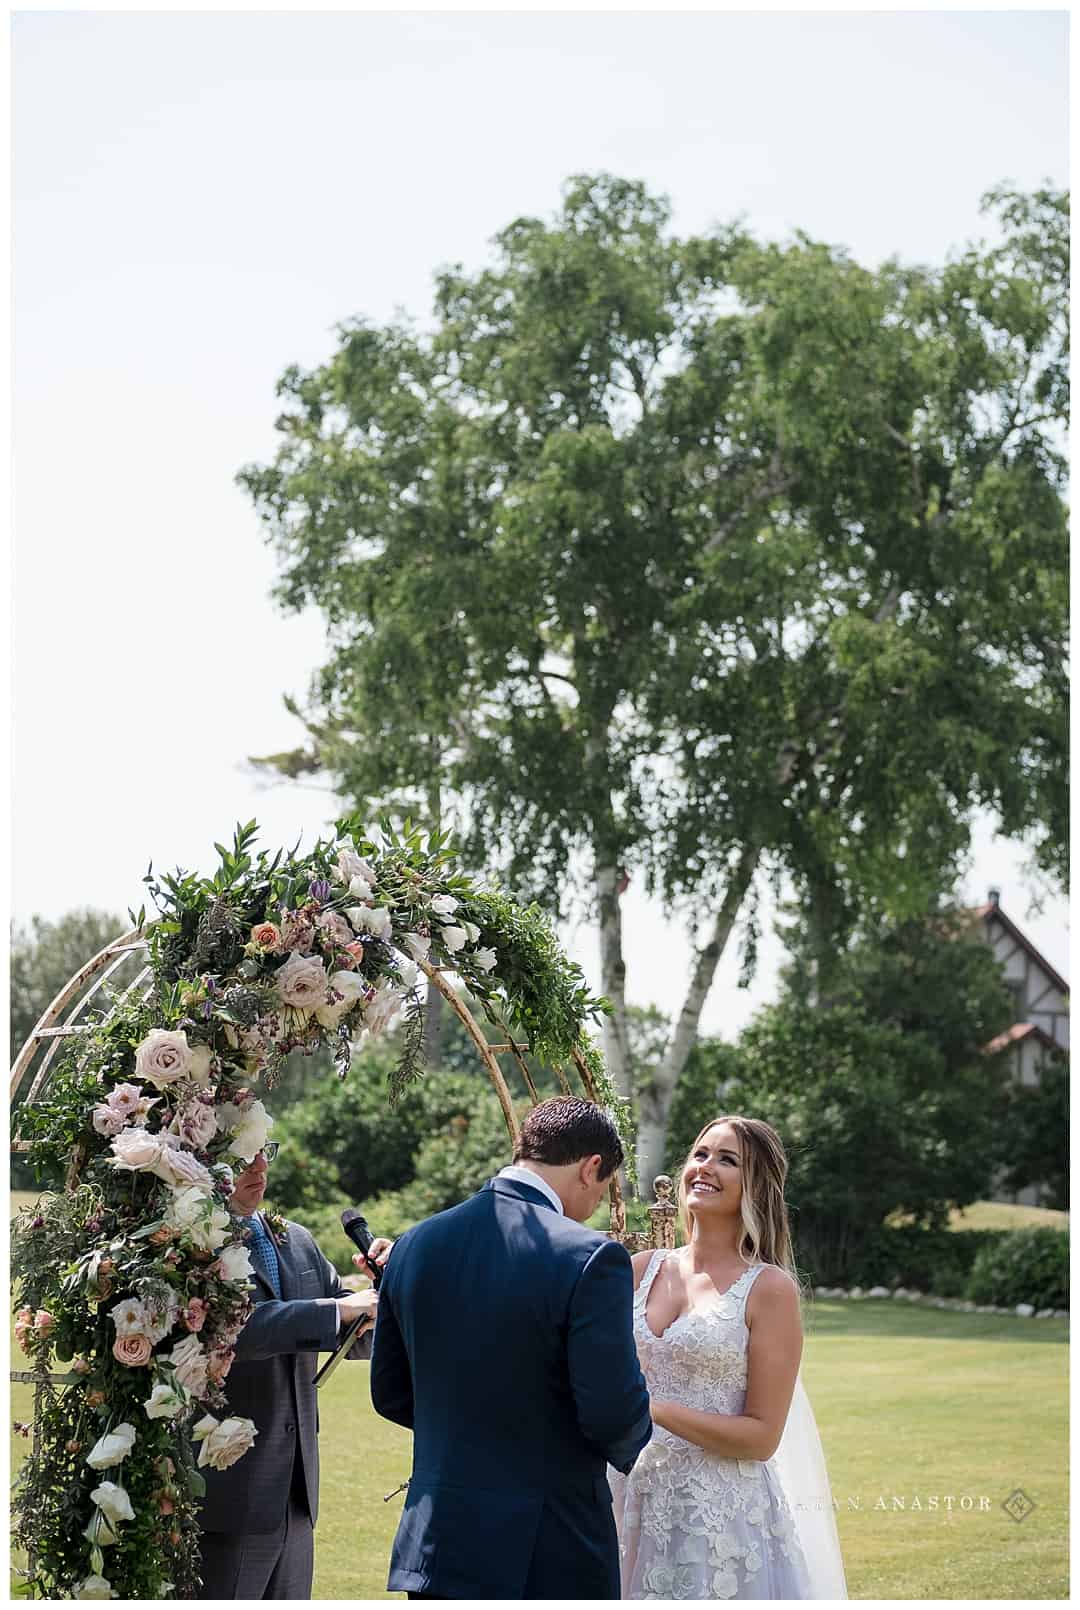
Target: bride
<point>730,1499</point>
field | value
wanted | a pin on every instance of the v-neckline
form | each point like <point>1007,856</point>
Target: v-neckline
<point>658,1336</point>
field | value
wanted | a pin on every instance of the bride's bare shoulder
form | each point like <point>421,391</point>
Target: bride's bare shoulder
<point>639,1262</point>
<point>774,1291</point>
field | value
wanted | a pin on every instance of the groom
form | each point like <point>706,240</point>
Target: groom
<point>504,1341</point>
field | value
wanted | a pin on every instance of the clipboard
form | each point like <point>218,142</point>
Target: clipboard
<point>348,1336</point>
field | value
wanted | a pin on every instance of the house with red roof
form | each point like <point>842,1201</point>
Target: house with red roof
<point>1041,1027</point>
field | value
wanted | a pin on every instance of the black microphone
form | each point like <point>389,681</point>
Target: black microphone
<point>356,1228</point>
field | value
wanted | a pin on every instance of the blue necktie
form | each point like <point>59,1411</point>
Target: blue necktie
<point>264,1254</point>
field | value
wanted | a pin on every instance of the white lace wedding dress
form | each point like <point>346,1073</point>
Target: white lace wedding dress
<point>699,1525</point>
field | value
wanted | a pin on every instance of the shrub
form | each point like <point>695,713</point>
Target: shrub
<point>301,1179</point>
<point>935,1261</point>
<point>1023,1266</point>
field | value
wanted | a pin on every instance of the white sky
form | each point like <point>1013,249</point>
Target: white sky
<point>199,198</point>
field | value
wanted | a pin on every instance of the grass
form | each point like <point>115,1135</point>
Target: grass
<point>998,1216</point>
<point>911,1402</point>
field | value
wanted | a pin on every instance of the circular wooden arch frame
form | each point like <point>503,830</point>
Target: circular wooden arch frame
<point>66,1017</point>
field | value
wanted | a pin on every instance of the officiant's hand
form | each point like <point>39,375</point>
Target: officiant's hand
<point>358,1305</point>
<point>378,1252</point>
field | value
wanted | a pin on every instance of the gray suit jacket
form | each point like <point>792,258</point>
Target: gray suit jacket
<point>271,1383</point>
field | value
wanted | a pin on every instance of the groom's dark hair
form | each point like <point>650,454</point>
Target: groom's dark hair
<point>566,1129</point>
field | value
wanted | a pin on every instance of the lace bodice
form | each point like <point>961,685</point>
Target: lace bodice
<point>695,1524</point>
<point>700,1360</point>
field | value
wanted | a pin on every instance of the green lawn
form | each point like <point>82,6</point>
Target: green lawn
<point>912,1403</point>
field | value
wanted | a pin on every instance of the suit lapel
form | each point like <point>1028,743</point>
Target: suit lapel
<point>286,1266</point>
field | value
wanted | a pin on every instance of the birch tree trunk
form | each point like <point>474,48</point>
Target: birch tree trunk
<point>613,975</point>
<point>655,1100</point>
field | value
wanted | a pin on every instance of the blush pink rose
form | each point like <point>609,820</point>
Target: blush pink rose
<point>132,1350</point>
<point>194,1315</point>
<point>44,1323</point>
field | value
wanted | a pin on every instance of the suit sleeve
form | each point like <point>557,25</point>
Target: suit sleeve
<point>391,1374</point>
<point>301,1325</point>
<point>306,1325</point>
<point>605,1377</point>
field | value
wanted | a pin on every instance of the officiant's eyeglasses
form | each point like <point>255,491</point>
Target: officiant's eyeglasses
<point>270,1150</point>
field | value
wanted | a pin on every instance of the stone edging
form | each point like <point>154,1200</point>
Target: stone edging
<point>1025,1310</point>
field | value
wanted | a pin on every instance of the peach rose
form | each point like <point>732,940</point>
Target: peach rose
<point>267,935</point>
<point>132,1350</point>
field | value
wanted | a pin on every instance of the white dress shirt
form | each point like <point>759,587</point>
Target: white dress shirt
<point>525,1176</point>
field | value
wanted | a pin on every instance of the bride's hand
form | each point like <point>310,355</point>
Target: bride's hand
<point>657,1408</point>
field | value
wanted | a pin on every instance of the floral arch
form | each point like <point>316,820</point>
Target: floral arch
<point>145,1099</point>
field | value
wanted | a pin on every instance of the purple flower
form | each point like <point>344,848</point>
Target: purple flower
<point>319,889</point>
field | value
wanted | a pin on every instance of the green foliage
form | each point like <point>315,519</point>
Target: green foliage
<point>46,955</point>
<point>699,1096</point>
<point>1032,1139</point>
<point>1023,1266</point>
<point>682,555</point>
<point>934,1261</point>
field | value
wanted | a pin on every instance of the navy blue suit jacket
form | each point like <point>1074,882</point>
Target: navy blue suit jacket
<point>504,1340</point>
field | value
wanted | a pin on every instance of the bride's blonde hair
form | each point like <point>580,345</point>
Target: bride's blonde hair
<point>766,1235</point>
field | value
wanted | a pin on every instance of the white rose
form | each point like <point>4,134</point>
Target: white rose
<point>97,1530</point>
<point>249,1128</point>
<point>417,946</point>
<point>360,888</point>
<point>164,1057</point>
<point>125,1098</point>
<point>408,973</point>
<point>179,1168</point>
<point>350,865</point>
<point>193,1213</point>
<point>224,1444</point>
<point>384,1008</point>
<point>454,938</point>
<point>113,1502</point>
<point>485,959</point>
<point>94,1587</point>
<point>201,1057</point>
<point>107,1121</point>
<point>234,1262</point>
<point>163,1402</point>
<point>160,1319</point>
<point>472,930</point>
<point>444,905</point>
<point>188,1359</point>
<point>372,920</point>
<point>136,1149</point>
<point>112,1449</point>
<point>352,988</point>
<point>301,981</point>
<point>130,1317</point>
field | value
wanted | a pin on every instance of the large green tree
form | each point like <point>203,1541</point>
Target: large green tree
<point>696,559</point>
<point>885,1097</point>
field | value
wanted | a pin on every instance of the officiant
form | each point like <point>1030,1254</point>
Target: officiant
<point>258,1517</point>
